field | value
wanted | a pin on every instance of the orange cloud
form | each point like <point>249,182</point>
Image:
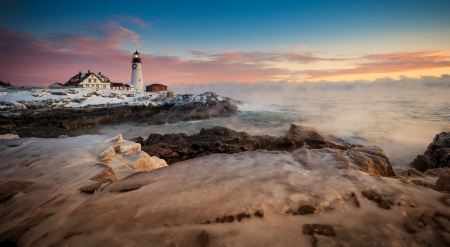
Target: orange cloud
<point>388,63</point>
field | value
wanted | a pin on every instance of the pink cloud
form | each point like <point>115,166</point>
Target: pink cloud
<point>168,49</point>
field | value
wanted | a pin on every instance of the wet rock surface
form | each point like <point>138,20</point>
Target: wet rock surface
<point>311,229</point>
<point>178,147</point>
<point>437,154</point>
<point>443,182</point>
<point>378,198</point>
<point>11,188</point>
<point>309,197</point>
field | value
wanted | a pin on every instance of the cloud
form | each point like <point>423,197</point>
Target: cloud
<point>32,60</point>
<point>168,49</point>
<point>388,63</point>
<point>95,38</point>
<point>137,21</point>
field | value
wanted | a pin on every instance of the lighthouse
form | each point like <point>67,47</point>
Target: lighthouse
<point>136,73</point>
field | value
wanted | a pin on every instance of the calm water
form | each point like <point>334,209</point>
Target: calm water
<point>403,128</point>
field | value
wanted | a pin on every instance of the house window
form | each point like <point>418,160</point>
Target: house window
<point>95,80</point>
<point>104,86</point>
<point>96,86</point>
<point>89,80</point>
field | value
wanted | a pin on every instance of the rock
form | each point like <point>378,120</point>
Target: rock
<point>408,228</point>
<point>46,113</point>
<point>108,175</point>
<point>203,239</point>
<point>11,188</point>
<point>178,147</point>
<point>422,183</point>
<point>310,229</point>
<point>241,216</point>
<point>306,209</point>
<point>372,160</point>
<point>443,182</point>
<point>376,197</point>
<point>92,187</point>
<point>259,214</point>
<point>437,154</point>
<point>12,236</point>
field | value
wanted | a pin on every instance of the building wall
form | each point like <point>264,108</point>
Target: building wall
<point>94,82</point>
<point>155,88</point>
<point>136,77</point>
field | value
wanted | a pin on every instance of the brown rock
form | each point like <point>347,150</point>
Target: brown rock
<point>422,183</point>
<point>443,182</point>
<point>11,188</point>
<point>108,174</point>
<point>241,216</point>
<point>12,236</point>
<point>310,229</point>
<point>259,213</point>
<point>306,209</point>
<point>408,228</point>
<point>376,197</point>
<point>372,160</point>
<point>203,239</point>
<point>355,199</point>
<point>178,147</point>
<point>437,154</point>
<point>92,187</point>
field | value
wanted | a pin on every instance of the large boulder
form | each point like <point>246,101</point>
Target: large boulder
<point>178,147</point>
<point>372,160</point>
<point>443,182</point>
<point>437,154</point>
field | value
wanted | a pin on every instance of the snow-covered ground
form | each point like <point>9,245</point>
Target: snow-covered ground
<point>82,97</point>
<point>248,199</point>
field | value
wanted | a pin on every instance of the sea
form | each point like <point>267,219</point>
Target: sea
<point>402,125</point>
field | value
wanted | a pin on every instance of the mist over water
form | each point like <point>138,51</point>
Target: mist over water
<point>400,116</point>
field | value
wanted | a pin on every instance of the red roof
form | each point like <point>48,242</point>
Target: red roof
<point>116,84</point>
<point>156,84</point>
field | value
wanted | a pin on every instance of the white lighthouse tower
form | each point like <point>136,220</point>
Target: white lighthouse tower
<point>136,73</point>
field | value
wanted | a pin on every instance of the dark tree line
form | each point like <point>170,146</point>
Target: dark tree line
<point>5,84</point>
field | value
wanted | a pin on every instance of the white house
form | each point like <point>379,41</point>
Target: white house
<point>90,80</point>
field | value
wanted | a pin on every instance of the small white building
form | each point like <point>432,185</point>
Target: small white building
<point>89,80</point>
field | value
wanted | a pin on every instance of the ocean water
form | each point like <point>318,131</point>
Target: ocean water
<point>402,126</point>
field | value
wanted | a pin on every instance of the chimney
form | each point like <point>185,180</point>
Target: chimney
<point>89,71</point>
<point>79,72</point>
<point>99,73</point>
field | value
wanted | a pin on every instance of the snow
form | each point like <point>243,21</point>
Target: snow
<point>82,97</point>
<point>8,136</point>
<point>167,206</point>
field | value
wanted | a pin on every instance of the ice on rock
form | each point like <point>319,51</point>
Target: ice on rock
<point>256,198</point>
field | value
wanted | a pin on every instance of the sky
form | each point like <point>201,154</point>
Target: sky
<point>42,42</point>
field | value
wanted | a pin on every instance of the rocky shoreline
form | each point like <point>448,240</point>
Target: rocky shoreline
<point>180,147</point>
<point>50,120</point>
<point>312,189</point>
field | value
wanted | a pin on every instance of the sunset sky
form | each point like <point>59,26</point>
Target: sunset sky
<point>42,42</point>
